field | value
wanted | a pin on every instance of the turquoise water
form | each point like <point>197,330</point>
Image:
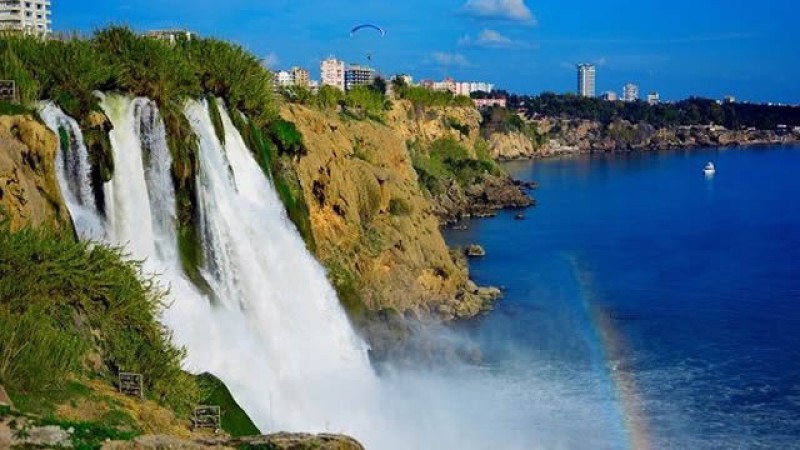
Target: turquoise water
<point>678,294</point>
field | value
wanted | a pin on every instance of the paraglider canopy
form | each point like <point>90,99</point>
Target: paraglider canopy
<point>367,26</point>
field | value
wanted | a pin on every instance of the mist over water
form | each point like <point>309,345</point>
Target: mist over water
<point>271,328</point>
<point>684,287</point>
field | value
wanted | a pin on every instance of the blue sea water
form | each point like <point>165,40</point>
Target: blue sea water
<point>640,268</point>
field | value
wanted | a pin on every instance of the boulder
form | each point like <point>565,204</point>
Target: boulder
<point>475,251</point>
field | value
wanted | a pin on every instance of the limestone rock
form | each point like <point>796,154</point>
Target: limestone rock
<point>475,251</point>
<point>29,191</point>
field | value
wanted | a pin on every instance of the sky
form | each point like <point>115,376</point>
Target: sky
<point>679,48</point>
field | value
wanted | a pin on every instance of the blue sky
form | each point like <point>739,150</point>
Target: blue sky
<point>679,48</point>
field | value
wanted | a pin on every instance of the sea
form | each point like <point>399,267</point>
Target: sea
<point>659,302</point>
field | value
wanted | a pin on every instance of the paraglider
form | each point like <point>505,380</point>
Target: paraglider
<point>367,27</point>
<point>364,26</point>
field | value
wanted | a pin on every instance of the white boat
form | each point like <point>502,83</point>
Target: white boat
<point>710,169</point>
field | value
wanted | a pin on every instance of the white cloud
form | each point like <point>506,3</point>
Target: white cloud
<point>491,39</point>
<point>270,61</point>
<point>500,9</point>
<point>450,59</point>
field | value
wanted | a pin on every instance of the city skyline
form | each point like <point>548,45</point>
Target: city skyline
<point>521,46</point>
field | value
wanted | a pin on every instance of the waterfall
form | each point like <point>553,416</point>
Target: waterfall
<point>268,323</point>
<point>74,172</point>
<point>274,332</point>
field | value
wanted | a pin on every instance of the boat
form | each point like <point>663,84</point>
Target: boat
<point>710,169</point>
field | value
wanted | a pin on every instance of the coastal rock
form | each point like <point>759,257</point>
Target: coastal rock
<point>29,192</point>
<point>279,441</point>
<point>475,251</point>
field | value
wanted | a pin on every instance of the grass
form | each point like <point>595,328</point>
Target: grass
<point>60,298</point>
<point>448,160</point>
<point>234,420</point>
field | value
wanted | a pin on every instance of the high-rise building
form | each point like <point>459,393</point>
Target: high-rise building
<point>586,80</point>
<point>630,92</point>
<point>300,76</point>
<point>332,73</point>
<point>357,75</point>
<point>29,17</point>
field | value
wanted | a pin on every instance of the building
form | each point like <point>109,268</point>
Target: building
<point>332,73</point>
<point>483,103</point>
<point>357,75</point>
<point>730,99</point>
<point>171,36</point>
<point>630,92</point>
<point>300,76</point>
<point>284,79</point>
<point>653,98</point>
<point>609,96</point>
<point>587,74</point>
<point>29,17</point>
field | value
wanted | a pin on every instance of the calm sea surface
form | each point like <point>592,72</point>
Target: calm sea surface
<point>677,293</point>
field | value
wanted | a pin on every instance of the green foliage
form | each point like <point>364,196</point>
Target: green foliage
<point>425,97</point>
<point>286,137</point>
<point>448,160</point>
<point>501,120</point>
<point>347,289</point>
<point>117,59</point>
<point>10,109</point>
<point>65,297</point>
<point>399,207</point>
<point>329,97</point>
<point>90,435</point>
<point>364,102</point>
<point>216,119</point>
<point>234,420</point>
<point>450,122</point>
<point>692,111</point>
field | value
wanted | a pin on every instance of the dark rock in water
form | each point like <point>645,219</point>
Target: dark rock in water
<point>475,251</point>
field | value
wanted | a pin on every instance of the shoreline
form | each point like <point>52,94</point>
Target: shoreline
<point>572,151</point>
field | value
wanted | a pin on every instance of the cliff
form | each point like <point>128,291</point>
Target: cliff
<point>29,192</point>
<point>374,227</point>
<point>585,136</point>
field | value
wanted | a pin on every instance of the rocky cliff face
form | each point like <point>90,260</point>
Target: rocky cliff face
<point>29,192</point>
<point>374,228</point>
<point>583,136</point>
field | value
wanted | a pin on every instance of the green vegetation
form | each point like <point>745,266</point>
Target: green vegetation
<point>693,111</point>
<point>399,207</point>
<point>448,160</point>
<point>10,109</point>
<point>348,291</point>
<point>234,420</point>
<point>63,301</point>
<point>502,120</point>
<point>366,102</point>
<point>424,97</point>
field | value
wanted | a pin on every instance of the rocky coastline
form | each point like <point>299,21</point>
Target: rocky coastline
<point>571,137</point>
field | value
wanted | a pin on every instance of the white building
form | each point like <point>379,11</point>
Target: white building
<point>332,73</point>
<point>630,92</point>
<point>358,75</point>
<point>284,79</point>
<point>31,17</point>
<point>171,36</point>
<point>653,98</point>
<point>587,77</point>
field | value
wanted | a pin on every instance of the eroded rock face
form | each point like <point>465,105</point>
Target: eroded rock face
<point>29,192</point>
<point>369,215</point>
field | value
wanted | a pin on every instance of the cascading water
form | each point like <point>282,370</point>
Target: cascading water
<point>74,172</point>
<point>271,328</point>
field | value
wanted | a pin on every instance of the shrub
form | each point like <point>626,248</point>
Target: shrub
<point>66,297</point>
<point>399,207</point>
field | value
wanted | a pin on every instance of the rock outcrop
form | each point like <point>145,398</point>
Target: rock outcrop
<point>280,441</point>
<point>29,192</point>
<point>584,136</point>
<point>373,226</point>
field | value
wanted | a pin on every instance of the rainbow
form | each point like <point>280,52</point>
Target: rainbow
<point>613,347</point>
